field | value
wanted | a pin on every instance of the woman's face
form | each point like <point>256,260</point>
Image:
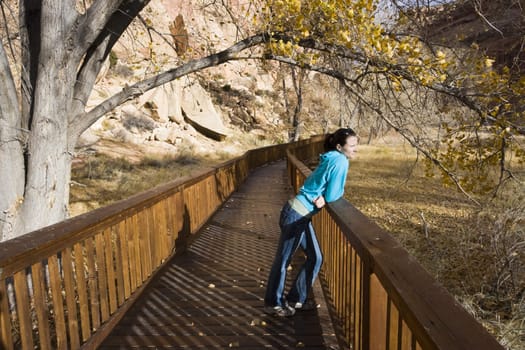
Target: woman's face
<point>350,147</point>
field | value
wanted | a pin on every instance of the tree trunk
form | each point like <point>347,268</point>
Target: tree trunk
<point>48,158</point>
<point>296,122</point>
<point>11,151</point>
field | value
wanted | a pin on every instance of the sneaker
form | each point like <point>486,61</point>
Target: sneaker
<point>282,311</point>
<point>307,306</point>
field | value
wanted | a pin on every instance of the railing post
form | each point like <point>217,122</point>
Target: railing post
<point>365,321</point>
<point>6,341</point>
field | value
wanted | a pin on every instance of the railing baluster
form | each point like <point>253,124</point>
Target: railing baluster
<point>6,340</point>
<point>406,337</point>
<point>94,300</point>
<point>58,302</point>
<point>156,237</point>
<point>351,336</point>
<point>345,278</point>
<point>102,277</point>
<point>22,306</point>
<point>145,247</point>
<point>80,272</point>
<point>179,216</point>
<point>110,268</point>
<point>136,232</point>
<point>378,311</point>
<point>41,308</point>
<point>130,243</point>
<point>71,300</point>
<point>124,271</point>
<point>394,319</point>
<point>149,251</point>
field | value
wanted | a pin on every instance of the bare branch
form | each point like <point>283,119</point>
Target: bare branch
<point>478,12</point>
<point>152,29</point>
<point>92,25</point>
<point>98,52</point>
<point>82,122</point>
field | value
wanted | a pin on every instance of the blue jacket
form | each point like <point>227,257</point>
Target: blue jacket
<point>328,180</point>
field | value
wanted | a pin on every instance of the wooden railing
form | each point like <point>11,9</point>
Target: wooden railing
<point>65,286</point>
<point>380,297</point>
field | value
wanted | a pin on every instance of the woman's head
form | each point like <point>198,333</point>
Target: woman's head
<point>343,140</point>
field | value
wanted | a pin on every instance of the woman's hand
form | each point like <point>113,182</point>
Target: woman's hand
<point>319,202</point>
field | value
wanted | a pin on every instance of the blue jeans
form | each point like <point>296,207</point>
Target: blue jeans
<point>296,230</point>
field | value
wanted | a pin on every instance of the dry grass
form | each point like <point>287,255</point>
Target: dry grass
<point>478,254</point>
<point>100,180</point>
<point>113,170</point>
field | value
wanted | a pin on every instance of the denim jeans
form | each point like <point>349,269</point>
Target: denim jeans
<point>296,230</point>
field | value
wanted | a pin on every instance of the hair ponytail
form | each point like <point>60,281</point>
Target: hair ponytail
<point>337,138</point>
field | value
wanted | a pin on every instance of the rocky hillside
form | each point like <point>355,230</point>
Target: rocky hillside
<point>496,27</point>
<point>242,103</point>
<point>204,111</point>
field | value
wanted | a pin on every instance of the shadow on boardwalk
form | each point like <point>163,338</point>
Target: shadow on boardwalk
<point>211,297</point>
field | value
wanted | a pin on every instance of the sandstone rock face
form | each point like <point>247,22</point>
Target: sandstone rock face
<point>164,113</point>
<point>198,107</point>
<point>236,98</point>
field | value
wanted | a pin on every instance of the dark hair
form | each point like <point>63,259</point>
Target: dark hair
<point>337,138</point>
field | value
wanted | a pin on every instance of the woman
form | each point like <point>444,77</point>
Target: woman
<point>325,184</point>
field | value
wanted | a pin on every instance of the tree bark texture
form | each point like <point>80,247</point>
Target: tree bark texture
<point>11,150</point>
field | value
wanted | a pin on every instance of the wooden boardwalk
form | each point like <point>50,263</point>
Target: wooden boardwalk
<point>211,296</point>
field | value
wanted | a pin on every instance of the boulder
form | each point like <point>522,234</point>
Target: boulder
<point>87,138</point>
<point>200,112</point>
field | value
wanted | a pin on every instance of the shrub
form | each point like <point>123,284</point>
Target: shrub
<point>139,123</point>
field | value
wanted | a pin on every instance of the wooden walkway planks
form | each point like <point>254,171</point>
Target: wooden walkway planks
<point>211,297</point>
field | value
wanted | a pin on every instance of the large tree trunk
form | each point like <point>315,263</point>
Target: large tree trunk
<point>11,151</point>
<point>55,39</point>
<point>48,158</point>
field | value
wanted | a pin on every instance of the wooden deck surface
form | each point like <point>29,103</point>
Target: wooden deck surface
<point>211,297</point>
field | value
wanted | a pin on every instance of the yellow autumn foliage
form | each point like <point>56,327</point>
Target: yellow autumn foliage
<point>351,25</point>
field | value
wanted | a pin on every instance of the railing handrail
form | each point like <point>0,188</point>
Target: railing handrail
<point>435,318</point>
<point>36,244</point>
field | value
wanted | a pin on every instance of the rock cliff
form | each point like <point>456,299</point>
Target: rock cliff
<point>196,109</point>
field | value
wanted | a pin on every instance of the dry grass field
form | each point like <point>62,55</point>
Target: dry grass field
<point>477,253</point>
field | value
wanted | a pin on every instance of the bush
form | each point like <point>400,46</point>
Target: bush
<point>139,123</point>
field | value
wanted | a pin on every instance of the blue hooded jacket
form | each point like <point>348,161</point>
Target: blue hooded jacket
<point>328,180</point>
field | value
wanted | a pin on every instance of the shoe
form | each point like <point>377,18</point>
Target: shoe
<point>307,306</point>
<point>282,311</point>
